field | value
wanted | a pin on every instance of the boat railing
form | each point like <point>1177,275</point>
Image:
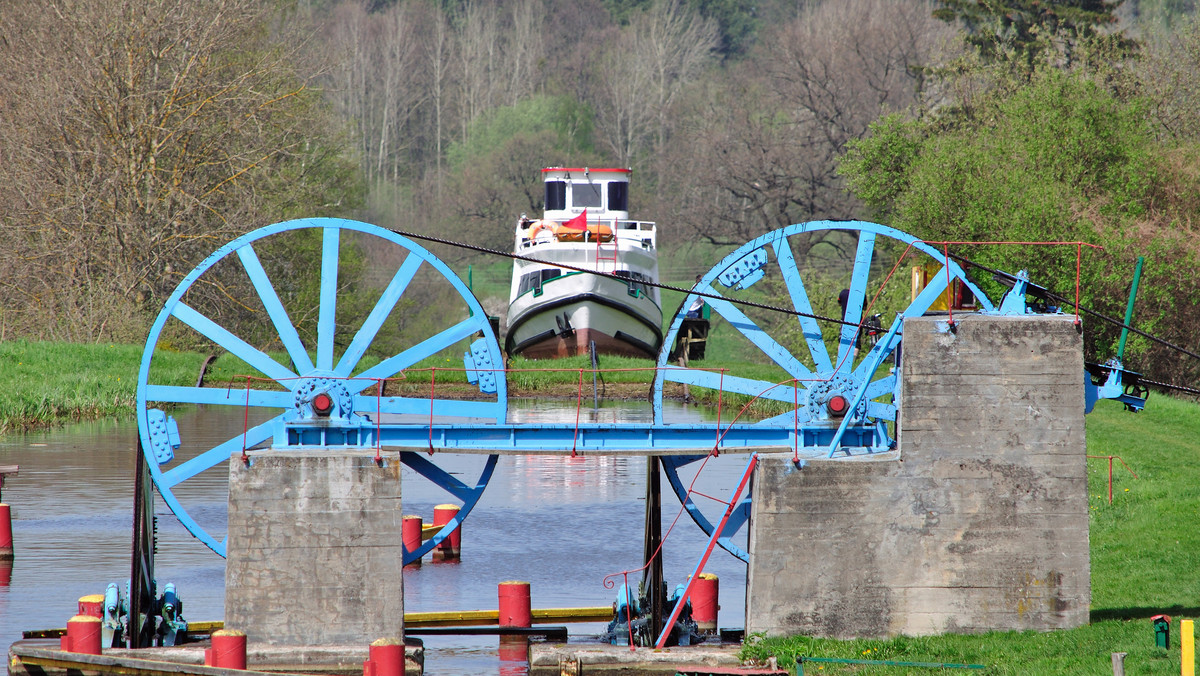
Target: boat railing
<point>623,230</point>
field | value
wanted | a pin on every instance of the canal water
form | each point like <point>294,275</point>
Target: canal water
<point>562,524</point>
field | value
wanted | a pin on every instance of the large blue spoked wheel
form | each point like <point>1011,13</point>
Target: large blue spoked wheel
<point>320,312</point>
<point>816,370</point>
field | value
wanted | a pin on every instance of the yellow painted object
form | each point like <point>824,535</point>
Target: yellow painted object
<point>921,278</point>
<point>1187,647</point>
<point>449,618</point>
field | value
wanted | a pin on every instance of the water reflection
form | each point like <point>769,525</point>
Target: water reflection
<point>560,523</point>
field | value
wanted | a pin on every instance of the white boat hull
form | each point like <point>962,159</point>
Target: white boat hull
<point>573,311</point>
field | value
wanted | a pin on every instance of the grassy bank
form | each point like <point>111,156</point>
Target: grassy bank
<point>46,384</point>
<point>1145,561</point>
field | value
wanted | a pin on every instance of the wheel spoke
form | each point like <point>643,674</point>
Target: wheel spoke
<point>327,315</point>
<point>383,308</point>
<point>427,348</point>
<point>256,358</point>
<point>858,293</point>
<point>879,410</point>
<point>737,519</point>
<point>670,468</point>
<point>728,383</point>
<point>219,396</point>
<point>275,310</point>
<point>878,388</point>
<point>801,303</point>
<point>756,335</point>
<point>217,454</point>
<point>438,476</point>
<point>799,415</point>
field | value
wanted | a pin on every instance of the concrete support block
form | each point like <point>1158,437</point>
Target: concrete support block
<point>977,522</point>
<point>314,551</point>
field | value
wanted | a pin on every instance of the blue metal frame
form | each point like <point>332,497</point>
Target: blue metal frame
<point>360,420</point>
<point>872,398</point>
<point>303,378</point>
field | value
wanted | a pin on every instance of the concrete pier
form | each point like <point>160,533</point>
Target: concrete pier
<point>315,549</point>
<point>979,520</point>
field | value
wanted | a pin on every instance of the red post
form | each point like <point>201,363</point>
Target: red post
<point>83,635</point>
<point>411,533</point>
<point>451,547</point>
<point>6,540</point>
<point>515,608</point>
<point>514,655</point>
<point>705,596</point>
<point>228,649</point>
<point>92,605</point>
<point>385,658</point>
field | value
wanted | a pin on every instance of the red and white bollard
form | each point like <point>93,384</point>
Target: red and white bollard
<point>515,608</point>
<point>228,650</point>
<point>451,547</point>
<point>705,596</point>
<point>410,531</point>
<point>385,658</point>
<point>83,635</point>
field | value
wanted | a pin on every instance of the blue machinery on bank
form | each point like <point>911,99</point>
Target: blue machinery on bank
<point>327,349</point>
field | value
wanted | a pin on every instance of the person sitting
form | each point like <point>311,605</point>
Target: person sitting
<point>696,309</point>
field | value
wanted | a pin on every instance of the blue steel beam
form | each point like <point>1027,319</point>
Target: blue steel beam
<point>608,438</point>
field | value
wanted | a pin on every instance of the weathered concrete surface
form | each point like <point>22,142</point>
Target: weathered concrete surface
<point>315,549</point>
<point>978,522</point>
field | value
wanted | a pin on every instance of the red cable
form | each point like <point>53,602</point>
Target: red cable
<point>578,405</point>
<point>432,384</point>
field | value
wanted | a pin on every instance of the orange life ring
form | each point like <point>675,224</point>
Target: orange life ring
<point>540,225</point>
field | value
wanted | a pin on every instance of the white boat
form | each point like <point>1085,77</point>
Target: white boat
<point>556,311</point>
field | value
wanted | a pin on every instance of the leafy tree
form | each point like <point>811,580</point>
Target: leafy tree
<point>1061,159</point>
<point>1026,32</point>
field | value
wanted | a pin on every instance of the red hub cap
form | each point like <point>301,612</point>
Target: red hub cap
<point>322,404</point>
<point>838,405</point>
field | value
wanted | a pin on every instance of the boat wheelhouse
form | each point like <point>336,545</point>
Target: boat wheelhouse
<point>557,306</point>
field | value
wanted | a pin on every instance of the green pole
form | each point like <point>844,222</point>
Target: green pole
<point>1137,278</point>
<point>471,286</point>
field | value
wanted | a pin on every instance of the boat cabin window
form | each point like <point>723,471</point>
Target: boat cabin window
<point>556,195</point>
<point>586,195</point>
<point>533,280</point>
<point>618,196</point>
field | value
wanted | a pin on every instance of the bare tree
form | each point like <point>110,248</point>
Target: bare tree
<point>378,83</point>
<point>137,142</point>
<point>762,146</point>
<point>642,74</point>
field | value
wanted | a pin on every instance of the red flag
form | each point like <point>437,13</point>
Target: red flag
<point>577,223</point>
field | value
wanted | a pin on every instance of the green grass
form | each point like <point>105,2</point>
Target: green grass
<point>1145,560</point>
<point>43,384</point>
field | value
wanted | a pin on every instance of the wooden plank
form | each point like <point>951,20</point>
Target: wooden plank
<point>118,666</point>
<point>9,470</point>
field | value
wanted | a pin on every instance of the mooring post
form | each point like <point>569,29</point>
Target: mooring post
<point>652,575</point>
